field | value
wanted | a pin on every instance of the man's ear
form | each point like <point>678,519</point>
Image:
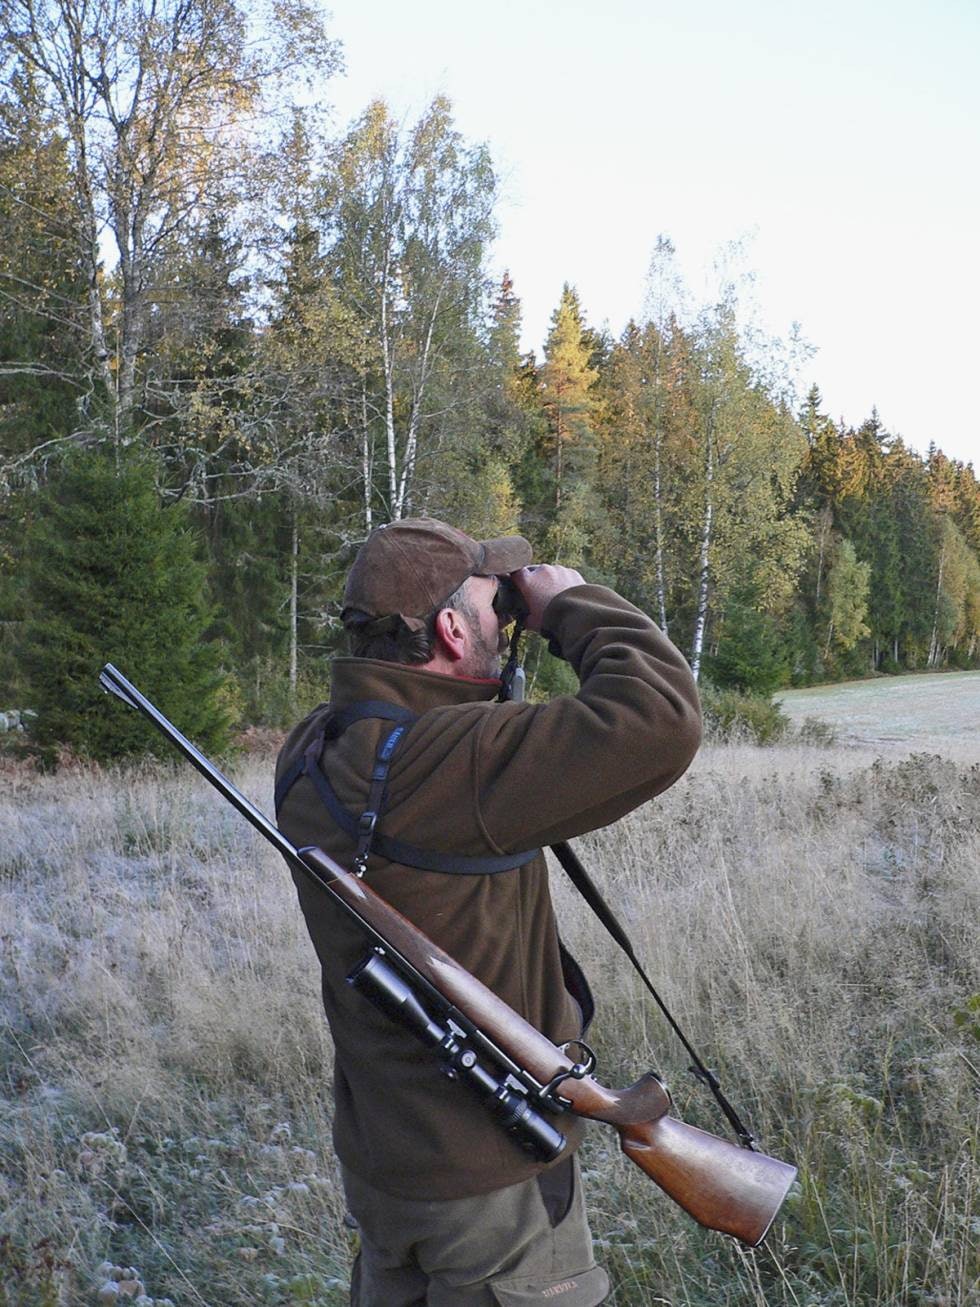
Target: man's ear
<point>452,634</point>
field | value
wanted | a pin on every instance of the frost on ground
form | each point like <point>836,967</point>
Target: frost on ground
<point>809,913</point>
<point>936,711</point>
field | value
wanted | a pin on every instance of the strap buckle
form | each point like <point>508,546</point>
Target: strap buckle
<point>366,823</point>
<point>365,834</point>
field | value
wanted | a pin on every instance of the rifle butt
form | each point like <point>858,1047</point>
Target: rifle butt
<point>733,1190</point>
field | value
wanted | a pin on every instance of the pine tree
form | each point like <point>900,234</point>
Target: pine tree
<point>113,577</point>
<point>199,394</point>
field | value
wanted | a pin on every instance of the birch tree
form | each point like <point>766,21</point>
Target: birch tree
<point>956,598</point>
<point>748,451</point>
<point>408,214</point>
<point>159,102</point>
<point>638,476</point>
<point>846,601</point>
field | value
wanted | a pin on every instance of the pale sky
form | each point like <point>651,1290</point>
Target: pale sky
<point>842,138</point>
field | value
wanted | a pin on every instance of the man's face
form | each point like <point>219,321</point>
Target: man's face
<point>488,638</point>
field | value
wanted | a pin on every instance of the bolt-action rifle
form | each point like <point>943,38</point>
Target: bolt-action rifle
<point>526,1081</point>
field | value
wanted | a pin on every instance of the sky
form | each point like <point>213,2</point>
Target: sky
<point>838,143</point>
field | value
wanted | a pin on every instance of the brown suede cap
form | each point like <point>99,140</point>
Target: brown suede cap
<point>409,568</point>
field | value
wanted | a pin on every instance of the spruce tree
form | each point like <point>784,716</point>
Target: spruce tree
<point>566,381</point>
<point>43,388</point>
<point>43,393</point>
<point>113,577</point>
<point>752,656</point>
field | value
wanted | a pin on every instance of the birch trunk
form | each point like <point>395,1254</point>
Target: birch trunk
<point>130,337</point>
<point>411,442</point>
<point>88,236</point>
<point>934,642</point>
<point>559,450</point>
<point>294,610</point>
<point>408,465</point>
<point>701,619</point>
<point>388,363</point>
<point>826,520</point>
<point>133,267</point>
<point>367,469</point>
<point>658,535</point>
<point>830,636</point>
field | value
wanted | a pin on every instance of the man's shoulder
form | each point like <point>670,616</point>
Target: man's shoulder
<point>299,737</point>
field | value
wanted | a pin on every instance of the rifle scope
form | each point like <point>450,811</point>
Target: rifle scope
<point>377,980</point>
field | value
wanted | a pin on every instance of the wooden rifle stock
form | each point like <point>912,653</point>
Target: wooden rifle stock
<point>736,1191</point>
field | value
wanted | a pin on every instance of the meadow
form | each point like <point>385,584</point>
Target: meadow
<point>809,912</point>
<point>939,711</point>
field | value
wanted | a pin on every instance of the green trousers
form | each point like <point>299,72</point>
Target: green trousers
<point>529,1243</point>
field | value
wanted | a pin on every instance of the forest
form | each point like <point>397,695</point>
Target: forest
<point>235,337</point>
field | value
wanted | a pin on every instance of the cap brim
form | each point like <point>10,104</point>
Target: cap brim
<point>504,555</point>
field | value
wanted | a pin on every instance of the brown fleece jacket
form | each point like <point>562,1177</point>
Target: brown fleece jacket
<point>476,777</point>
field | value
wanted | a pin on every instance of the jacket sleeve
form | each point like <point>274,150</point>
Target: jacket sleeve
<point>546,772</point>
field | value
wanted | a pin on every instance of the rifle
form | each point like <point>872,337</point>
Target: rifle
<point>481,1041</point>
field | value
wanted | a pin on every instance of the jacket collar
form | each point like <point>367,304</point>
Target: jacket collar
<point>355,679</point>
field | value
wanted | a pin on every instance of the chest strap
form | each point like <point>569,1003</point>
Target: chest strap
<point>363,829</point>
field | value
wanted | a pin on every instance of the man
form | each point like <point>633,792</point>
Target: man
<point>451,1212</point>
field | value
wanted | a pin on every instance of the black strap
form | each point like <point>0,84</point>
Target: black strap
<point>335,723</point>
<point>288,779</point>
<point>583,883</point>
<point>339,719</point>
<point>368,820</point>
<point>363,829</point>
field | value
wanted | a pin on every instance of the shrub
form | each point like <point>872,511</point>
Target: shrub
<point>733,715</point>
<point>817,732</point>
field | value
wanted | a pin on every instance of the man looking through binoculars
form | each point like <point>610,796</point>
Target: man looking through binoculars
<point>444,798</point>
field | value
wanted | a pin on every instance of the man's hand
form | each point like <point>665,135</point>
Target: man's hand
<point>539,584</point>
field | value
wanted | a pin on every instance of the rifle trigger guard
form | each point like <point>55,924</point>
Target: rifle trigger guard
<point>577,1072</point>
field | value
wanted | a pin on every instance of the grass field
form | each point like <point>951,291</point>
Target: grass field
<point>810,913</point>
<point>936,711</point>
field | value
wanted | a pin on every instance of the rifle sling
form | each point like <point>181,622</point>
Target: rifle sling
<point>583,882</point>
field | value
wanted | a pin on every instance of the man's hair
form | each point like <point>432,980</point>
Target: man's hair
<point>390,640</point>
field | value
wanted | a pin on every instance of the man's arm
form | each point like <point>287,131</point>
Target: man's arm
<point>548,772</point>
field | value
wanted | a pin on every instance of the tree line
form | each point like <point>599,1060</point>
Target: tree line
<point>233,340</point>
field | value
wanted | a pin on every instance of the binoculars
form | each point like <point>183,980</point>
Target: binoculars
<point>508,602</point>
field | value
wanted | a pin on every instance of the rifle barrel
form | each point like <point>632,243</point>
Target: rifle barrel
<point>111,679</point>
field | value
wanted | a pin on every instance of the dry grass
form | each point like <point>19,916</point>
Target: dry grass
<point>811,915</point>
